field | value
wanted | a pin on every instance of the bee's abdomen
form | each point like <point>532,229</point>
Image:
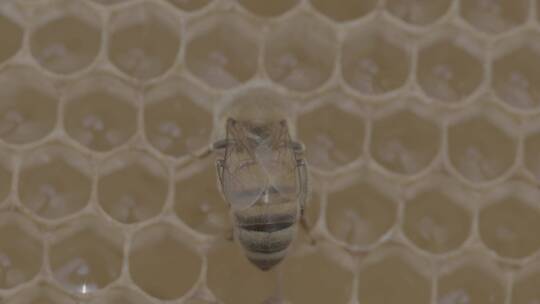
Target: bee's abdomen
<point>266,237</point>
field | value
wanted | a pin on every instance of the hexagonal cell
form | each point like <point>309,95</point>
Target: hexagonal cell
<point>68,40</point>
<point>373,63</point>
<point>21,250</point>
<point>448,71</point>
<point>516,77</point>
<point>224,52</point>
<point>470,283</point>
<point>199,204</point>
<point>479,150</point>
<point>233,279</point>
<point>28,111</point>
<point>344,10</point>
<point>333,136</point>
<point>509,227</point>
<point>86,255</point>
<point>189,5</point>
<point>360,214</point>
<point>12,34</point>
<point>144,40</point>
<point>100,112</point>
<point>393,279</point>
<point>40,294</point>
<point>304,282</point>
<point>404,142</point>
<point>532,153</point>
<point>120,295</point>
<point>525,289</point>
<point>300,53</point>
<point>495,16</point>
<point>418,12</point>
<point>174,123</point>
<point>435,222</point>
<point>54,181</point>
<point>159,251</point>
<point>265,8</point>
<point>132,187</point>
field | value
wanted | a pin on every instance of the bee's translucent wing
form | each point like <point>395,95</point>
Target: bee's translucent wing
<point>279,163</point>
<point>243,180</point>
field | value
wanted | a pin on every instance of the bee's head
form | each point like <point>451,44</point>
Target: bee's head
<point>255,132</point>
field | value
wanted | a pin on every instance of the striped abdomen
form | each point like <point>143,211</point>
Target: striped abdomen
<point>265,231</point>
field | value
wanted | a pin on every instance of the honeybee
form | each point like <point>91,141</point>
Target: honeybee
<point>263,177</point>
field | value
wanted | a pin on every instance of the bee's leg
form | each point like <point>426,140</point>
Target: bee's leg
<point>203,154</point>
<point>302,198</point>
<point>302,182</point>
<point>219,169</point>
<point>298,147</point>
<point>307,229</point>
<point>218,145</point>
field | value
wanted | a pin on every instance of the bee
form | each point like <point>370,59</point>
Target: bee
<point>263,177</point>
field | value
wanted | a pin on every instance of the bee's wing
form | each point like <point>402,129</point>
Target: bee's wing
<point>243,180</point>
<point>280,165</point>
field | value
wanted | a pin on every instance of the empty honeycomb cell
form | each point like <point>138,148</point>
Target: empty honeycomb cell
<point>132,187</point>
<point>161,263</point>
<point>300,53</point>
<point>21,250</point>
<point>69,41</point>
<point>86,255</point>
<point>525,288</point>
<point>326,280</point>
<point>29,105</point>
<point>360,214</point>
<point>189,5</point>
<point>100,113</point>
<point>265,8</point>
<point>435,222</point>
<point>41,294</point>
<point>120,295</point>
<point>199,204</point>
<point>509,227</point>
<point>516,77</point>
<point>404,142</point>
<point>225,53</point>
<point>479,150</point>
<point>174,123</point>
<point>494,16</point>
<point>144,40</point>
<point>233,279</point>
<point>418,12</point>
<point>374,64</point>
<point>470,283</point>
<point>12,36</point>
<point>333,136</point>
<point>344,10</point>
<point>393,279</point>
<point>54,182</point>
<point>532,153</point>
<point>447,71</point>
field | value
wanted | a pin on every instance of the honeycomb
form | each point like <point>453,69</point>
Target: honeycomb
<point>420,119</point>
